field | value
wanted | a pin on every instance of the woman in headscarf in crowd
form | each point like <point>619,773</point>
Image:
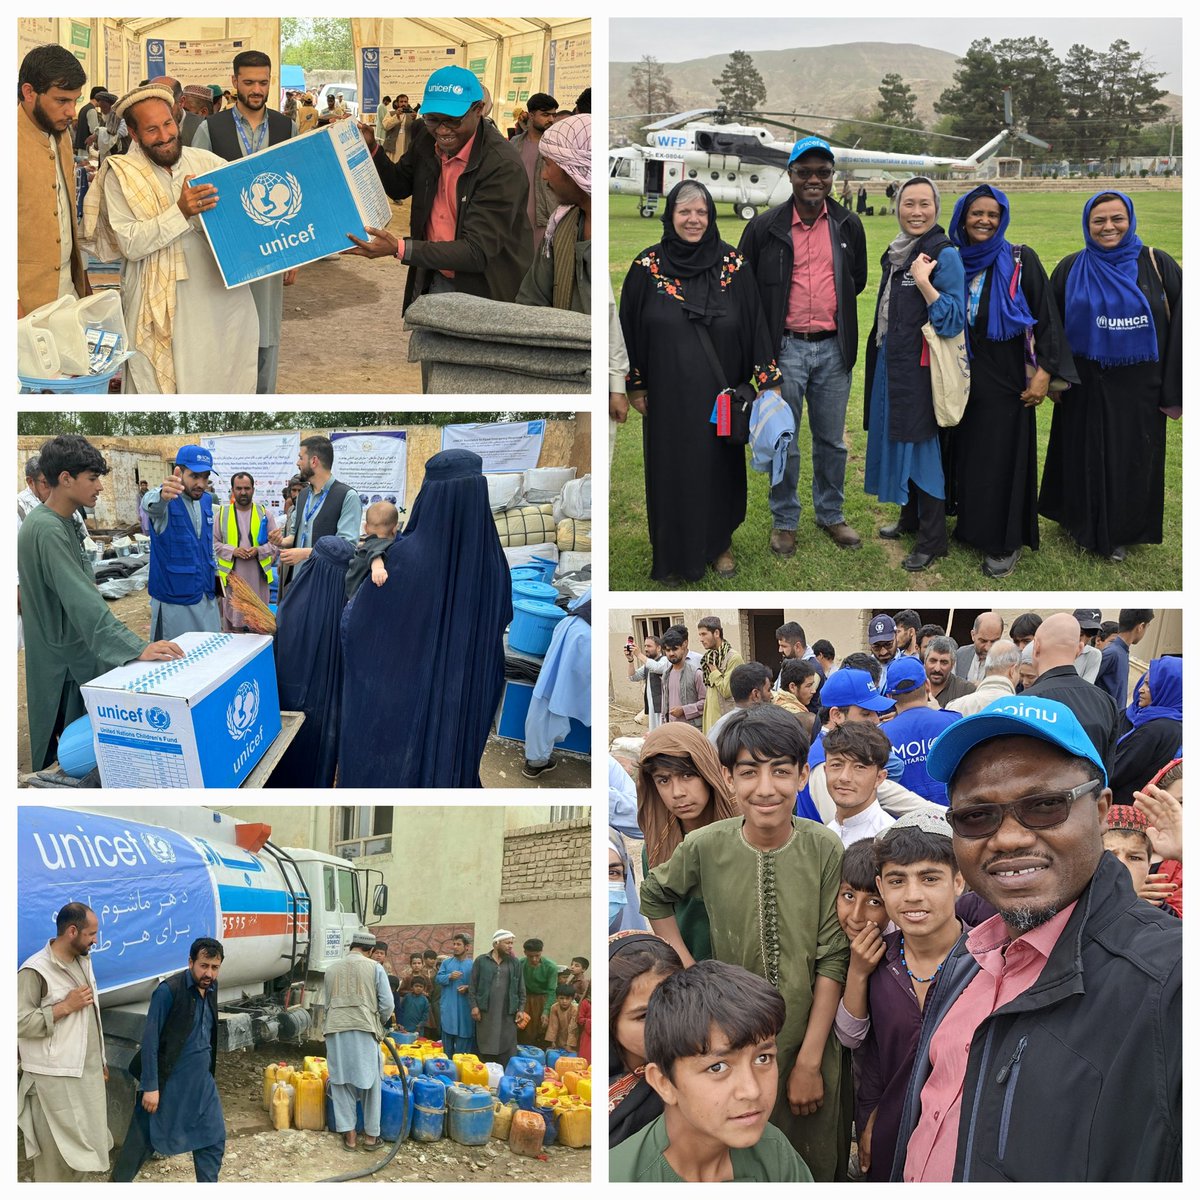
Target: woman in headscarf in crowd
<point>424,653</point>
<point>681,787</point>
<point>922,282</point>
<point>623,912</point>
<point>308,664</point>
<point>994,454</point>
<point>1155,717</point>
<point>1120,300</point>
<point>561,273</point>
<point>637,964</point>
<point>695,481</point>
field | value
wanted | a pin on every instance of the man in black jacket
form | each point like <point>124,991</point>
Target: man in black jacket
<point>810,262</point>
<point>469,227</point>
<point>1051,1045</point>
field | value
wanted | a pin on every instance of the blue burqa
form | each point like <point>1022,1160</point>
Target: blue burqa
<point>308,663</point>
<point>424,653</point>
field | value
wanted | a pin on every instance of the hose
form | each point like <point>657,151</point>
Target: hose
<point>387,1158</point>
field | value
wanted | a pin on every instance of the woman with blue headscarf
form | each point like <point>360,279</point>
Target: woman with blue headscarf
<point>1009,312</point>
<point>1155,715</point>
<point>1105,469</point>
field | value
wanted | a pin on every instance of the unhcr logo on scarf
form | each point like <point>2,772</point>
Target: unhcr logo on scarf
<point>1119,323</point>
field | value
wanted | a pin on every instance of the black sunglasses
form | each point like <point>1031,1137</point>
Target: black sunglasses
<point>1034,812</point>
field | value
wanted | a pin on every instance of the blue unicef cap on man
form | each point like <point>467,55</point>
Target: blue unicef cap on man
<point>849,686</point>
<point>1013,716</point>
<point>810,145</point>
<point>450,91</point>
<point>194,458</point>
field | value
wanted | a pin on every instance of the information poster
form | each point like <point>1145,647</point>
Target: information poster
<point>402,71</point>
<point>570,69</point>
<point>512,446</point>
<point>81,40</point>
<point>269,457</point>
<point>204,62</point>
<point>112,59</point>
<point>133,66</point>
<point>375,465</point>
<point>33,32</point>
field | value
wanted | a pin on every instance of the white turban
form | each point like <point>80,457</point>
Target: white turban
<point>500,935</point>
<point>139,94</point>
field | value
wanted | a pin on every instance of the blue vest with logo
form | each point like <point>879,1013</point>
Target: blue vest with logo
<point>911,734</point>
<point>182,570</point>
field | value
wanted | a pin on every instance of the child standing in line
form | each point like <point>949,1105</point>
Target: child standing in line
<point>562,1021</point>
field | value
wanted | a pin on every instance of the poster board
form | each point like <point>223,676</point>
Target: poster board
<point>33,32</point>
<point>402,70</point>
<point>203,61</point>
<point>375,465</point>
<point>570,69</point>
<point>507,446</point>
<point>269,457</point>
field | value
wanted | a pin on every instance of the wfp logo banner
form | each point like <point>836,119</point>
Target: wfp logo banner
<point>370,79</point>
<point>156,58</point>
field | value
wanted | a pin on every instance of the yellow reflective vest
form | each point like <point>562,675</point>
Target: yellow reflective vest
<point>258,537</point>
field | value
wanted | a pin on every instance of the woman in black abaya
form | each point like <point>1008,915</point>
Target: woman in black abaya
<point>695,482</point>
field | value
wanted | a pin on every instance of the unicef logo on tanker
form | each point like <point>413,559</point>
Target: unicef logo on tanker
<point>160,848</point>
<point>242,711</point>
<point>272,200</point>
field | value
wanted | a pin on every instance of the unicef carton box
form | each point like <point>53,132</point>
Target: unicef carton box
<point>203,720</point>
<point>293,203</point>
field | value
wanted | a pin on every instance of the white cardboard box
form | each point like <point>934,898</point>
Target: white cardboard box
<point>203,720</point>
<point>293,203</point>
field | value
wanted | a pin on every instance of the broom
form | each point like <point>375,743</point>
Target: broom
<point>246,603</point>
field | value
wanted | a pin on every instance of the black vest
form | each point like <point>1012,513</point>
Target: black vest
<point>910,393</point>
<point>178,1026</point>
<point>223,134</point>
<point>81,126</point>
<point>325,523</point>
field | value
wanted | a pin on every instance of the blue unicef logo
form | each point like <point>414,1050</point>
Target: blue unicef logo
<point>158,718</point>
<point>159,847</point>
<point>272,199</point>
<point>243,710</point>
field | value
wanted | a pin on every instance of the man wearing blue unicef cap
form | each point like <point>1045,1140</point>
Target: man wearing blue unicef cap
<point>470,228</point>
<point>1069,1001</point>
<point>183,565</point>
<point>809,256</point>
<point>917,724</point>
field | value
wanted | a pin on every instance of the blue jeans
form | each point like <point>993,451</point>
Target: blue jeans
<point>815,370</point>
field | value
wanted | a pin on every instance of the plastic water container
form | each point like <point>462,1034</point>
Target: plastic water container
<point>59,319</point>
<point>552,1056</point>
<point>534,1052</point>
<point>412,1065</point>
<point>442,1067</point>
<point>527,1133</point>
<point>77,748</point>
<point>270,1073</point>
<point>495,1075</point>
<point>502,1115</point>
<point>533,626</point>
<point>574,1124</point>
<point>570,1062</point>
<point>534,589</point>
<point>429,1108</point>
<point>549,1114</point>
<point>525,1068</point>
<point>515,1090</point>
<point>332,1125</point>
<point>395,1117</point>
<point>310,1102</point>
<point>281,1105</point>
<point>471,1070</point>
<point>470,1117</point>
<point>37,354</point>
<point>584,1091</point>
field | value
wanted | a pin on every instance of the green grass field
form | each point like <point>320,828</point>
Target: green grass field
<point>1050,223</point>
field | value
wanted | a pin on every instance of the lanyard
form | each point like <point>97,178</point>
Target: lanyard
<point>250,145</point>
<point>310,513</point>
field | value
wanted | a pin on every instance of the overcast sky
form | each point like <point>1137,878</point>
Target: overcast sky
<point>681,38</point>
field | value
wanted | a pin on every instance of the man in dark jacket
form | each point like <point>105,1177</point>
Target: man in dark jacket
<point>470,230</point>
<point>1052,1044</point>
<point>810,262</point>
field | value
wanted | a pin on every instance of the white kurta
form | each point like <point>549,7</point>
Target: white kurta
<point>216,329</point>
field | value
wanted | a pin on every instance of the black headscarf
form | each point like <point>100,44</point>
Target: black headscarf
<point>698,264</point>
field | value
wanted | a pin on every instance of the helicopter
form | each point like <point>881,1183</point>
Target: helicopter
<point>745,164</point>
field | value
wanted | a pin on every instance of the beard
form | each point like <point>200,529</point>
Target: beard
<point>164,155</point>
<point>253,103</point>
<point>1023,918</point>
<point>43,118</point>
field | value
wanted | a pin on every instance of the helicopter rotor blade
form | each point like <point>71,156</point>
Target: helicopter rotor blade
<point>863,121</point>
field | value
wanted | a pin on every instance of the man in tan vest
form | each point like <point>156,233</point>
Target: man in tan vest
<point>49,260</point>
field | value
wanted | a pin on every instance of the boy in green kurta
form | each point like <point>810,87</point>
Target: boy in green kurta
<point>769,881</point>
<point>71,637</point>
<point>541,983</point>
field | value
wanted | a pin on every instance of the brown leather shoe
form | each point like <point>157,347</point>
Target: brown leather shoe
<point>783,542</point>
<point>724,565</point>
<point>845,536</point>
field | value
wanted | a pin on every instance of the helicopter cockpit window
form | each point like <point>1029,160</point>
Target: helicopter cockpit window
<point>620,168</point>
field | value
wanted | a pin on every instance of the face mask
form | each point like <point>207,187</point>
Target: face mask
<point>616,900</point>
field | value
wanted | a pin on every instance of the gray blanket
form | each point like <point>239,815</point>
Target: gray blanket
<point>493,321</point>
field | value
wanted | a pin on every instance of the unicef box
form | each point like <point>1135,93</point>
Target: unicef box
<point>293,203</point>
<point>203,720</point>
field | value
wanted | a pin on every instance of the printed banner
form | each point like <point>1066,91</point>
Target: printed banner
<point>503,447</point>
<point>370,81</point>
<point>374,464</point>
<point>402,71</point>
<point>570,69</point>
<point>269,457</point>
<point>112,59</point>
<point>205,62</point>
<point>149,887</point>
<point>33,32</point>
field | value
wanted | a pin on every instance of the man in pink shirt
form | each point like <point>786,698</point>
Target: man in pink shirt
<point>1052,1042</point>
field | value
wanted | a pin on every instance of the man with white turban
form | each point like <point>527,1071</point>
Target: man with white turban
<point>497,998</point>
<point>561,274</point>
<point>191,333</point>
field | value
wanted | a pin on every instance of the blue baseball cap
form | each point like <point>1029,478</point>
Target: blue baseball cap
<point>905,675</point>
<point>848,686</point>
<point>810,145</point>
<point>450,91</point>
<point>195,458</point>
<point>1012,716</point>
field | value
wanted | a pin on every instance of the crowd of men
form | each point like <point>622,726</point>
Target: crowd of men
<point>504,220</point>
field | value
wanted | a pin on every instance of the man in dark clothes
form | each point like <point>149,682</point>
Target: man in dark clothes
<point>1113,676</point>
<point>944,685</point>
<point>470,228</point>
<point>177,1107</point>
<point>1055,646</point>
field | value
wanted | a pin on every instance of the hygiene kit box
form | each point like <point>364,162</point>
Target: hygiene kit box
<point>203,720</point>
<point>293,203</point>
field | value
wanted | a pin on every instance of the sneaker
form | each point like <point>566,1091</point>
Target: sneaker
<point>532,772</point>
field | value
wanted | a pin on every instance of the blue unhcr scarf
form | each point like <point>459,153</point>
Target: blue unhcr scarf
<point>1107,317</point>
<point>1008,311</point>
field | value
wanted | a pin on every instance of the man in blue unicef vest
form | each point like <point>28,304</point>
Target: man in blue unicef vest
<point>915,726</point>
<point>183,572</point>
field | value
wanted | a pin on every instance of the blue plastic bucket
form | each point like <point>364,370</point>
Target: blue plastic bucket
<point>77,748</point>
<point>80,385</point>
<point>533,626</point>
<point>546,566</point>
<point>534,589</point>
<point>520,574</point>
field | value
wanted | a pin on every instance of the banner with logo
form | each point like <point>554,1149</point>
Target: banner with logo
<point>570,69</point>
<point>513,446</point>
<point>203,61</point>
<point>269,457</point>
<point>399,70</point>
<point>375,465</point>
<point>148,886</point>
<point>33,32</point>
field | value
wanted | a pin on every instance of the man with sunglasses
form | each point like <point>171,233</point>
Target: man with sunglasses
<point>1052,1041</point>
<point>809,256</point>
<point>469,228</point>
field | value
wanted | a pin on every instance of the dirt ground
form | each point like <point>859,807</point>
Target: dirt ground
<point>254,1152</point>
<point>500,767</point>
<point>342,329</point>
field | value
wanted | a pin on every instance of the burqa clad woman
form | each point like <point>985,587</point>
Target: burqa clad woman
<point>1120,302</point>
<point>424,653</point>
<point>1155,715</point>
<point>308,664</point>
<point>994,448</point>
<point>695,481</point>
<point>922,283</point>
